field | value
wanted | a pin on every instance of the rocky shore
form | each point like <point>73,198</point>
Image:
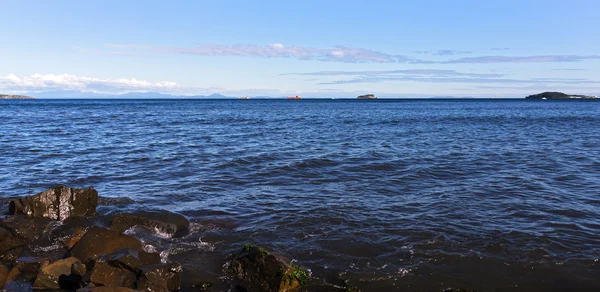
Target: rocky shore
<point>52,241</point>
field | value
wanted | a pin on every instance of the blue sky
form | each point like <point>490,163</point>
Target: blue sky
<point>312,48</point>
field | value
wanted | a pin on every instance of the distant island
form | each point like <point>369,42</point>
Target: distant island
<point>557,95</point>
<point>367,96</point>
<point>9,96</point>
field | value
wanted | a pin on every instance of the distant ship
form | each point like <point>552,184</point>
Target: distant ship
<point>244,97</point>
<point>294,97</point>
<point>367,96</point>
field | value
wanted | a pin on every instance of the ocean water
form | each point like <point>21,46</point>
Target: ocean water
<point>387,195</point>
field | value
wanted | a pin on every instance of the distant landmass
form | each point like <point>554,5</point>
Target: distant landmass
<point>557,95</point>
<point>73,94</point>
<point>10,96</point>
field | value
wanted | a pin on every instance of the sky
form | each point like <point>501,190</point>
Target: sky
<point>509,48</point>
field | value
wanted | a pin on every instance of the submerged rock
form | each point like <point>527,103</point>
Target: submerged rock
<point>49,276</point>
<point>160,277</point>
<point>255,269</point>
<point>97,241</point>
<point>58,203</point>
<point>162,221</point>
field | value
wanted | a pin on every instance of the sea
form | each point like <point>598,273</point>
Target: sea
<point>383,195</point>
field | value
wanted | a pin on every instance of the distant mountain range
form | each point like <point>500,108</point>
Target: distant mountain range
<point>72,94</point>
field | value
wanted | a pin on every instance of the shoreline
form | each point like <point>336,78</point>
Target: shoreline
<point>58,233</point>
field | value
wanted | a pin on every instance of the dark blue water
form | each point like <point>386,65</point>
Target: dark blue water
<point>388,195</point>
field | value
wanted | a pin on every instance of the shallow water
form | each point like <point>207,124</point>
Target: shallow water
<point>388,195</point>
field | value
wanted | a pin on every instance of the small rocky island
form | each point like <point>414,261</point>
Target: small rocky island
<point>367,96</point>
<point>557,95</point>
<point>9,96</point>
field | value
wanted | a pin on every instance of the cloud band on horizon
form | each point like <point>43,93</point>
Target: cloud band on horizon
<point>337,54</point>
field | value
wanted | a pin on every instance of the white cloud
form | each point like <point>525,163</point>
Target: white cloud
<point>45,82</point>
<point>276,46</point>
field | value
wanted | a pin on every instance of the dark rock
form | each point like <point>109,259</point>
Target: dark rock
<point>132,259</point>
<point>27,268</point>
<point>255,269</point>
<point>58,203</point>
<point>97,241</point>
<point>48,277</point>
<point>120,268</point>
<point>25,227</point>
<point>79,269</point>
<point>10,256</point>
<point>198,278</point>
<point>8,241</point>
<point>105,289</point>
<point>160,277</point>
<point>105,274</point>
<point>162,221</point>
<point>3,275</point>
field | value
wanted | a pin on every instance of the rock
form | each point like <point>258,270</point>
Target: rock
<point>255,269</point>
<point>97,241</point>
<point>121,268</point>
<point>132,259</point>
<point>8,241</point>
<point>58,203</point>
<point>105,274</point>
<point>24,227</point>
<point>78,268</point>
<point>105,289</point>
<point>70,241</point>
<point>160,277</point>
<point>48,277</point>
<point>27,268</point>
<point>161,221</point>
<point>3,275</point>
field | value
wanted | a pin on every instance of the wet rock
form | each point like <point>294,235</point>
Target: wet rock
<point>3,275</point>
<point>58,203</point>
<point>9,241</point>
<point>24,227</point>
<point>132,259</point>
<point>79,269</point>
<point>255,269</point>
<point>105,289</point>
<point>10,256</point>
<point>97,241</point>
<point>105,274</point>
<point>48,277</point>
<point>70,240</point>
<point>162,221</point>
<point>121,268</point>
<point>197,278</point>
<point>160,277</point>
<point>27,268</point>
